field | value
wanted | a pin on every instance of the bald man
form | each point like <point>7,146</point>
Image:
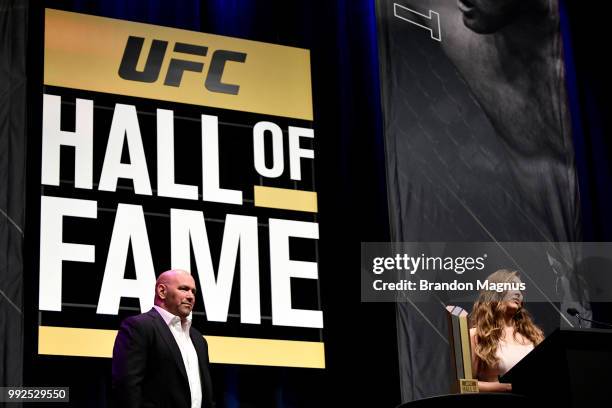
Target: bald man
<point>159,359</point>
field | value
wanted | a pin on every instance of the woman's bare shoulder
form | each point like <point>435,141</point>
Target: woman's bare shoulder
<point>473,336</point>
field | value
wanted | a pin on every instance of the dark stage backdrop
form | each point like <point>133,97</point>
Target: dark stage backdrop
<point>478,142</point>
<point>588,84</point>
<point>13,37</point>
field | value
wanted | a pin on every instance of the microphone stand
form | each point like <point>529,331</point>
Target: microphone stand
<point>580,319</point>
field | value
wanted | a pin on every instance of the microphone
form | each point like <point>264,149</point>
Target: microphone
<point>573,312</point>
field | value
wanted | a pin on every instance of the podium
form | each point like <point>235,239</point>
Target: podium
<point>476,400</point>
<point>570,368</point>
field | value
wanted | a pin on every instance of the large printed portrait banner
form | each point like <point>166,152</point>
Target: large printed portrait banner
<point>478,149</point>
<point>164,148</point>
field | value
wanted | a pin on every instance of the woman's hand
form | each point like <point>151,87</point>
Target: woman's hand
<point>494,386</point>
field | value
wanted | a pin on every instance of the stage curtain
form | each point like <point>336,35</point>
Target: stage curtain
<point>13,38</point>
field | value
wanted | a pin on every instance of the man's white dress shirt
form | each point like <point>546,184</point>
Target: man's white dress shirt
<point>188,352</point>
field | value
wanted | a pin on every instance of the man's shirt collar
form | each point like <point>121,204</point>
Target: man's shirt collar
<point>170,318</point>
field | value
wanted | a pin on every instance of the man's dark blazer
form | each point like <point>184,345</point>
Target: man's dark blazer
<point>148,370</point>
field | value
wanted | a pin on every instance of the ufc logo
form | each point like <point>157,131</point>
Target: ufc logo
<point>177,66</point>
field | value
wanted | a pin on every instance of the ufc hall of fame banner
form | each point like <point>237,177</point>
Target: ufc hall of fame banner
<point>478,147</point>
<point>145,146</point>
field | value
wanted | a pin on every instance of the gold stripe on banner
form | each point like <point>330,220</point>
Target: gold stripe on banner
<point>70,341</point>
<point>85,52</point>
<point>285,199</point>
<point>284,353</point>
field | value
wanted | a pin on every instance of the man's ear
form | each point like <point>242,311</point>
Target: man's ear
<point>161,291</point>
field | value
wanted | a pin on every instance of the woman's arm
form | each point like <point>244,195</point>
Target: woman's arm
<point>490,386</point>
<point>485,386</point>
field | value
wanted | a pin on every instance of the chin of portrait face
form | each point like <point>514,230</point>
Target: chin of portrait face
<point>481,27</point>
<point>484,20</point>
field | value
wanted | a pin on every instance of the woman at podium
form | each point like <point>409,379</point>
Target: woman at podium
<point>502,332</point>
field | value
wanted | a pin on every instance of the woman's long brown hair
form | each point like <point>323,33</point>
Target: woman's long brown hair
<point>487,317</point>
